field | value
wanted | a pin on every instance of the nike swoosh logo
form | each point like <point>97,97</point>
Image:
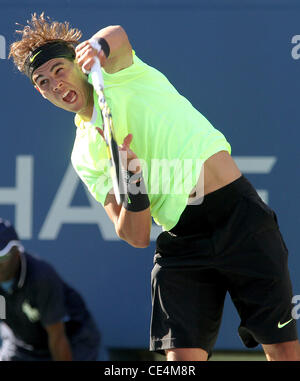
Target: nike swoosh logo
<point>33,58</point>
<point>284,324</point>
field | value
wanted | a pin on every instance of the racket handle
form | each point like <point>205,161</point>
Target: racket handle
<point>96,73</point>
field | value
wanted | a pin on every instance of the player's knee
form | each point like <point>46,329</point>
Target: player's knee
<point>288,351</point>
<point>186,354</point>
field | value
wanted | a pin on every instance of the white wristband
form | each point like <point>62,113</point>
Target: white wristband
<point>95,44</point>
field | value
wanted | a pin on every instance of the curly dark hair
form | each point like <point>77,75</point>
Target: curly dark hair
<point>38,32</point>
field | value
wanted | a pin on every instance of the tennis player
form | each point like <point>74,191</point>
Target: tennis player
<point>228,241</point>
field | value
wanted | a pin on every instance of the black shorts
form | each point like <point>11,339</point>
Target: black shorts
<point>229,243</point>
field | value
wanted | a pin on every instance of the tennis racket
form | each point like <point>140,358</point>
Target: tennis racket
<point>118,181</point>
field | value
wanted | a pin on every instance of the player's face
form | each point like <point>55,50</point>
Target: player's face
<point>63,83</point>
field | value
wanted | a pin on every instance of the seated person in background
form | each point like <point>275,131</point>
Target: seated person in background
<point>45,319</point>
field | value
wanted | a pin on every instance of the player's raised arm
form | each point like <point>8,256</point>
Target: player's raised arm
<point>116,52</point>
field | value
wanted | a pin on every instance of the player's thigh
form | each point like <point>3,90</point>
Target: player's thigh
<point>187,307</point>
<point>261,290</point>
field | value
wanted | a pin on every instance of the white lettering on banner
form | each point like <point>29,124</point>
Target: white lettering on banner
<point>21,196</point>
<point>62,212</point>
<point>2,47</point>
<point>295,51</point>
<point>2,307</point>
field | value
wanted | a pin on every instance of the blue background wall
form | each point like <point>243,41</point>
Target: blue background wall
<point>234,60</point>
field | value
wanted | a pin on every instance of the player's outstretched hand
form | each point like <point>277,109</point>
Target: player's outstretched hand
<point>85,56</point>
<point>129,159</point>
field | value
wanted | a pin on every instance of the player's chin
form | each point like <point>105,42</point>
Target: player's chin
<point>72,107</point>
